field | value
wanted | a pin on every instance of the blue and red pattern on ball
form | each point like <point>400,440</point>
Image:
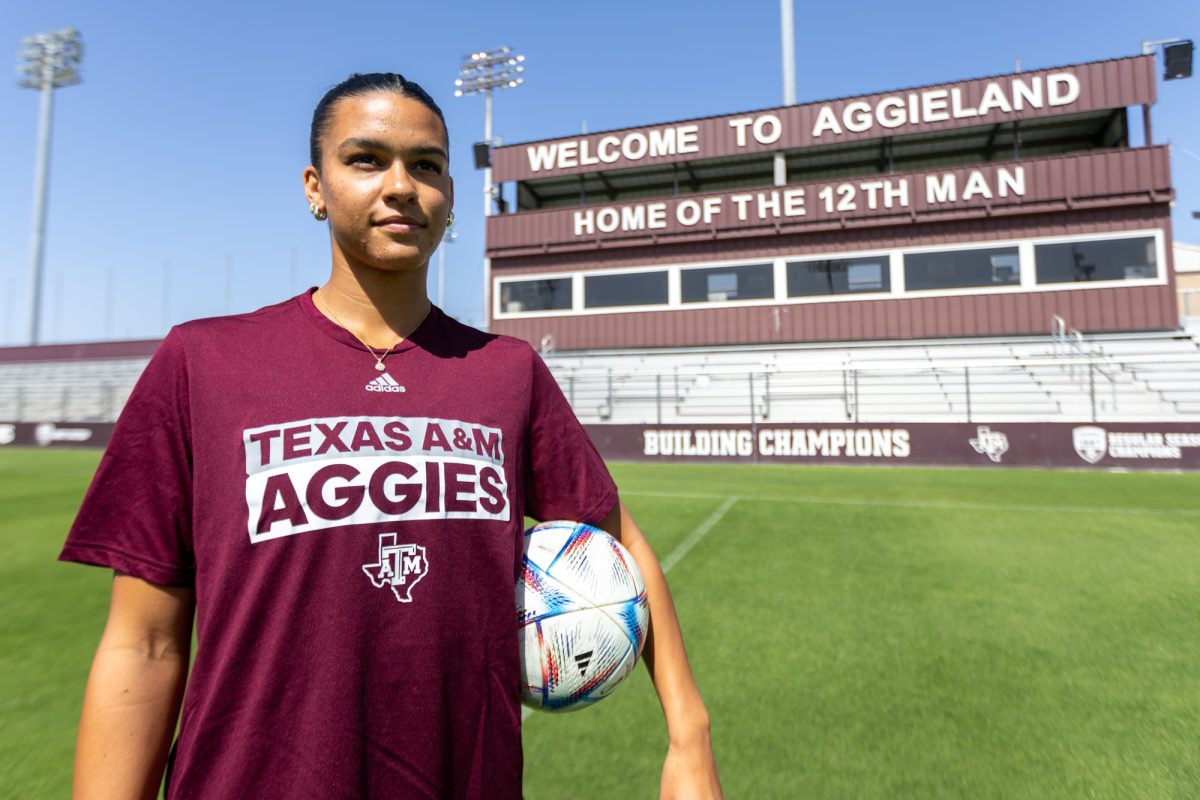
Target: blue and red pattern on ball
<point>596,608</point>
<point>575,550</point>
<point>584,693</point>
<point>627,614</point>
<point>546,592</point>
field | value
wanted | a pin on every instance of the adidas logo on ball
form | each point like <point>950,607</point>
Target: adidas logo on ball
<point>384,383</point>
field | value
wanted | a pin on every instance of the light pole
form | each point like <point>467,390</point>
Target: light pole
<point>447,239</point>
<point>787,30</point>
<point>51,61</point>
<point>480,73</point>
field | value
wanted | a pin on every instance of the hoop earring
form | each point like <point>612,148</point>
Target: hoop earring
<point>450,220</point>
<point>319,214</point>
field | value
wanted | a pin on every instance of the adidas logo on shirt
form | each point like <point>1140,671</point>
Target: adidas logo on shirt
<point>384,383</point>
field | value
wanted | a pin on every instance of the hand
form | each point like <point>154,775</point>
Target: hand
<point>690,773</point>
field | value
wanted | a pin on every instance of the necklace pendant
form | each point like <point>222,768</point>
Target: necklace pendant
<point>379,366</point>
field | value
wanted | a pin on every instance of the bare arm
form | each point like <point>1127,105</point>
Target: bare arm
<point>134,691</point>
<point>690,770</point>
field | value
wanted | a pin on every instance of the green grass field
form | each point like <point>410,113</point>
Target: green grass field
<point>857,633</point>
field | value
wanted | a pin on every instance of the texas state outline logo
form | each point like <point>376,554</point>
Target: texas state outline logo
<point>399,567</point>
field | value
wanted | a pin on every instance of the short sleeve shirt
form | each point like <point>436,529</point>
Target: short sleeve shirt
<point>353,537</point>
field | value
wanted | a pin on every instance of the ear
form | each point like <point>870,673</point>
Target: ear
<point>312,186</point>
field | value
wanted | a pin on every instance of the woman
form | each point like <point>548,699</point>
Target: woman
<point>334,486</point>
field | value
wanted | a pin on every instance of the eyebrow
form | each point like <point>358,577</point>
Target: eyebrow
<point>379,144</point>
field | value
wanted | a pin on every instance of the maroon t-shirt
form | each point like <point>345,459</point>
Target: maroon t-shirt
<point>353,537</point>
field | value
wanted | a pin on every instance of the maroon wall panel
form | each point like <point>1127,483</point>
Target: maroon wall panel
<point>924,318</point>
<point>1010,313</point>
<point>143,348</point>
<point>969,228</point>
<point>1079,445</point>
<point>1102,85</point>
<point>1097,179</point>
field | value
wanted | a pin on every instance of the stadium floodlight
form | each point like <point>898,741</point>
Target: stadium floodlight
<point>51,61</point>
<point>1177,56</point>
<point>483,72</point>
<point>1177,60</point>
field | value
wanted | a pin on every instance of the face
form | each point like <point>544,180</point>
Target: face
<point>383,180</point>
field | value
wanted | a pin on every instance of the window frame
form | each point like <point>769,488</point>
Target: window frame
<point>886,274</point>
<point>892,255</point>
<point>497,294</point>
<point>767,264</point>
<point>585,308</point>
<point>1159,265</point>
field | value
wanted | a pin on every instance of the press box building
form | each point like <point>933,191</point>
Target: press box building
<point>982,207</point>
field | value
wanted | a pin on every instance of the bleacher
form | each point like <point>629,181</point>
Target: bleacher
<point>1061,377</point>
<point>1033,379</point>
<point>78,390</point>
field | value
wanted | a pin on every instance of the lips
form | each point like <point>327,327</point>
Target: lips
<point>399,223</point>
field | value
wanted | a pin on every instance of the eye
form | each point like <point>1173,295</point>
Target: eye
<point>365,159</point>
<point>427,164</point>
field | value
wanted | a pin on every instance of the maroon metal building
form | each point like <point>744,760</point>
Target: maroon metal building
<point>976,208</point>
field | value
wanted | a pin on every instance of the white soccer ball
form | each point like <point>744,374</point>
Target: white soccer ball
<point>581,606</point>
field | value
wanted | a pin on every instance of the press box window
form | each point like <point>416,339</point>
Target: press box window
<point>629,289</point>
<point>955,269</point>
<point>1107,260</point>
<point>837,276</point>
<point>719,284</point>
<point>553,294</point>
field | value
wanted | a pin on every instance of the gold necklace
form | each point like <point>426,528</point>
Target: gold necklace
<point>379,367</point>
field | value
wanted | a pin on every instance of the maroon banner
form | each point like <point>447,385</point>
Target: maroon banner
<point>55,434</point>
<point>1055,183</point>
<point>1103,445</point>
<point>1117,83</point>
<point>1100,445</point>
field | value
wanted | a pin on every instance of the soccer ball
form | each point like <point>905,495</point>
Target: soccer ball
<point>581,606</point>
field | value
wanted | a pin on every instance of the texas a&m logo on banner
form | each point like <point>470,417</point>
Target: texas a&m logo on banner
<point>1091,443</point>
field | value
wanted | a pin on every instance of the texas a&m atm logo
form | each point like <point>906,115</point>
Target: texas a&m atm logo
<point>399,567</point>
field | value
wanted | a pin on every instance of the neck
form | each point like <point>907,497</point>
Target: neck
<point>382,307</point>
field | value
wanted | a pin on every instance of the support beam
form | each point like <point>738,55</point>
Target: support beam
<point>609,189</point>
<point>990,148</point>
<point>693,180</point>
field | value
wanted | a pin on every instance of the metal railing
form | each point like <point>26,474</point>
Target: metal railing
<point>1191,303</point>
<point>97,402</point>
<point>1066,378</point>
<point>1091,387</point>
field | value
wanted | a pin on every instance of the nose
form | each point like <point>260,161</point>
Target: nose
<point>400,184</point>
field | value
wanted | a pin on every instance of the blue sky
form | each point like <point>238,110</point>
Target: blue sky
<point>175,177</point>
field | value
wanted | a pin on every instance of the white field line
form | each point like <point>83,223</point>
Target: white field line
<point>684,547</point>
<point>858,501</point>
<point>678,553</point>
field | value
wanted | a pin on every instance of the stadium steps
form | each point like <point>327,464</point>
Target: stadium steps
<point>1135,376</point>
<point>69,391</point>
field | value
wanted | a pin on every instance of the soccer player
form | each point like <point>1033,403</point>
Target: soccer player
<point>333,487</point>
